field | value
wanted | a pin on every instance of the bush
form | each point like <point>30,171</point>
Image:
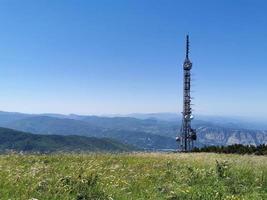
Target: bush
<point>235,149</point>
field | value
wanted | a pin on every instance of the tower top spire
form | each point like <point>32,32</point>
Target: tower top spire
<point>187,46</point>
<point>187,63</point>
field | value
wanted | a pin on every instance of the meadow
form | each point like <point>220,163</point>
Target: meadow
<point>133,176</point>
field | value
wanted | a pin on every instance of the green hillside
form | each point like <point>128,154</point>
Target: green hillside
<point>133,177</point>
<point>21,141</point>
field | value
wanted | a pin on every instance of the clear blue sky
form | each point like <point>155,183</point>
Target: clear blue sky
<point>125,56</point>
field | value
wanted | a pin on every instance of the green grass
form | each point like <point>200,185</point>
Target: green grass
<point>133,176</point>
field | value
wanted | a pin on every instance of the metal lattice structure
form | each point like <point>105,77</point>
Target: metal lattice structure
<point>187,134</point>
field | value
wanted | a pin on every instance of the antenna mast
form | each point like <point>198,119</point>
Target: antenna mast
<point>187,135</point>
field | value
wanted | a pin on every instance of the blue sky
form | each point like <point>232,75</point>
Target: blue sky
<point>125,56</point>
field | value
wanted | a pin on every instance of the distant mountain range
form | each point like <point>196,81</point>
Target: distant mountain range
<point>120,129</point>
<point>152,131</point>
<point>27,142</point>
<point>224,121</point>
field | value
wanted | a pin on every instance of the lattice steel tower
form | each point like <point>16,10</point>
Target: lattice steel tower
<point>187,134</point>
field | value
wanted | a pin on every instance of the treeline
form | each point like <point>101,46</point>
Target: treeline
<point>235,149</point>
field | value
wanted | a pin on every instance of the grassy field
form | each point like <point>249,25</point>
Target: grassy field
<point>132,176</point>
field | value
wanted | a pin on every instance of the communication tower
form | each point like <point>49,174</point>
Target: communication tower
<point>187,134</point>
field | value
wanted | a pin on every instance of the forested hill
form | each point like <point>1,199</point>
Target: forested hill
<point>21,141</point>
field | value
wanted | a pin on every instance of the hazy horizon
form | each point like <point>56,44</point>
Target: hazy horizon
<point>120,57</point>
<point>158,114</point>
